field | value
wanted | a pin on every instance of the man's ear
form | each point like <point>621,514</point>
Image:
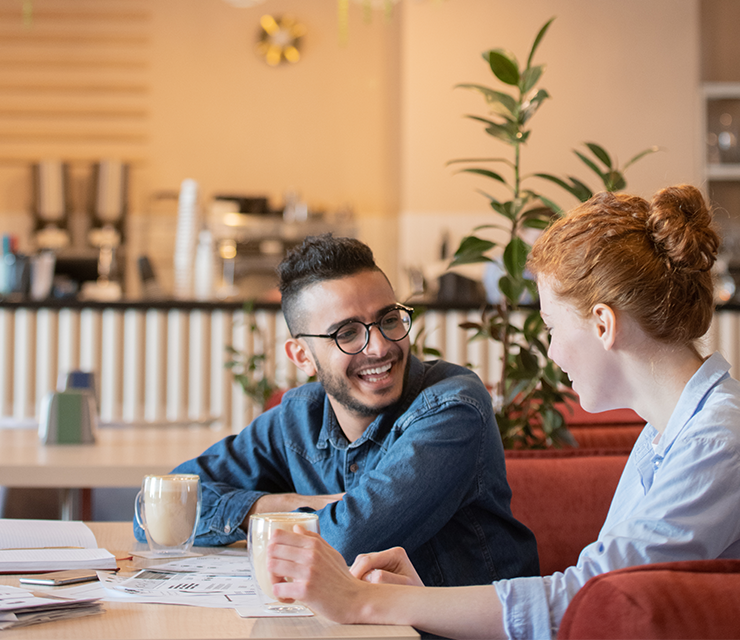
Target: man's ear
<point>605,321</point>
<point>300,356</point>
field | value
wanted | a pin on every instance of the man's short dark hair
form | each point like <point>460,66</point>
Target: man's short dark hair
<point>319,258</point>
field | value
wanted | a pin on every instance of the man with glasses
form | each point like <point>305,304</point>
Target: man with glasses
<point>389,450</point>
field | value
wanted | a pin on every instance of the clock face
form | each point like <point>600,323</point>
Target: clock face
<point>279,39</point>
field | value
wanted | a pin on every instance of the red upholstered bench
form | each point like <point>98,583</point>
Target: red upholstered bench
<point>616,429</point>
<point>563,496</point>
<point>677,600</point>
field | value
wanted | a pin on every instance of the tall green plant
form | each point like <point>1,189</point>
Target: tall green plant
<point>530,385</point>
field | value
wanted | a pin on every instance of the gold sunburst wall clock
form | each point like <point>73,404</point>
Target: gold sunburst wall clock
<point>279,39</point>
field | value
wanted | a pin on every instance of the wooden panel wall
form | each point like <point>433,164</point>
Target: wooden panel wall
<point>74,79</point>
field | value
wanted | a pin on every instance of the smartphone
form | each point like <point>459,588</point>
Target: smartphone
<point>59,578</point>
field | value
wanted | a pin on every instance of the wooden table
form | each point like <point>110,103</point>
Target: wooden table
<point>136,621</point>
<point>120,457</point>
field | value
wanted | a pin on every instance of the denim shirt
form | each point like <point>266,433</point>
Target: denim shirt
<point>428,475</point>
<point>677,499</point>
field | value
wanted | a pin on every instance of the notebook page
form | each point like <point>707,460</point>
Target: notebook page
<point>38,534</point>
<point>31,560</point>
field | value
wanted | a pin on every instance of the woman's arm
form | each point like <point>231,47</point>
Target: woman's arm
<point>321,579</point>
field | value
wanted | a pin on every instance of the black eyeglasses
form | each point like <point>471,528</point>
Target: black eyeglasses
<point>351,339</point>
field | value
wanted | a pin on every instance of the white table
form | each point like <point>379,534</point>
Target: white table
<point>120,457</point>
<point>132,621</point>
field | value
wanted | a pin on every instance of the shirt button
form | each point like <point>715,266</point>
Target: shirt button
<point>227,528</point>
<point>354,467</point>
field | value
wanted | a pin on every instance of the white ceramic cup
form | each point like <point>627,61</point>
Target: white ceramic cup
<point>261,528</point>
<point>168,509</point>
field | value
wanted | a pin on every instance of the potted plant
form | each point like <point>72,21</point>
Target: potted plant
<point>530,386</point>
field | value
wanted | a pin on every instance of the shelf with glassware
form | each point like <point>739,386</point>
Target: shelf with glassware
<point>721,131</point>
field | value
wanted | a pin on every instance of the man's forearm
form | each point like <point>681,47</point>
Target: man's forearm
<point>280,502</point>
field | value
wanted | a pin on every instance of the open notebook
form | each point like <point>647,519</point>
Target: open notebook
<point>28,546</point>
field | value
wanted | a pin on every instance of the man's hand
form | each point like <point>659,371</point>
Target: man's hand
<point>388,567</point>
<point>278,502</point>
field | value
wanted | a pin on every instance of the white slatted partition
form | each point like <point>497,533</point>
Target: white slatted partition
<point>158,365</point>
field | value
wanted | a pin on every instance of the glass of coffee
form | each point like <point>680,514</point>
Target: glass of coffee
<point>168,509</point>
<point>261,528</point>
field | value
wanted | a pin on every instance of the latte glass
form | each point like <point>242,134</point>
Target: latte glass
<point>168,509</point>
<point>261,528</point>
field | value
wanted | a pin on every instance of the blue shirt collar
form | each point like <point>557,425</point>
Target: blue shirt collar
<point>332,433</point>
<point>711,373</point>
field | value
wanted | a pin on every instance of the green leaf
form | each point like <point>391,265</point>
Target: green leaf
<point>640,155</point>
<point>552,206</point>
<point>558,181</point>
<point>600,153</point>
<point>504,208</point>
<point>506,132</point>
<point>529,362</point>
<point>515,257</point>
<point>472,250</point>
<point>614,181</point>
<point>552,373</point>
<point>485,121</point>
<point>501,103</point>
<point>538,39</point>
<point>537,218</point>
<point>511,288</point>
<point>591,165</point>
<point>504,66</point>
<point>484,172</point>
<point>577,188</point>
<point>488,226</point>
<point>530,78</point>
<point>502,160</point>
<point>581,191</point>
<point>530,107</point>
<point>533,324</point>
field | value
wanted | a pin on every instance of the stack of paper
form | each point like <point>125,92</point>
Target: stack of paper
<point>19,608</point>
<point>28,546</point>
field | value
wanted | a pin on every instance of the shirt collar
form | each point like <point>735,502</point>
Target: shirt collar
<point>713,371</point>
<point>332,432</point>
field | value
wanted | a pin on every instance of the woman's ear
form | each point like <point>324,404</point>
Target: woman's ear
<point>606,324</point>
<point>300,356</point>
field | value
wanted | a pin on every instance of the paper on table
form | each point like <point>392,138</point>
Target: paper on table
<point>217,592</point>
<point>19,607</point>
<point>153,555</point>
<point>220,564</point>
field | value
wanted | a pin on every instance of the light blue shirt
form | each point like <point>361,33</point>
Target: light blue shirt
<point>676,500</point>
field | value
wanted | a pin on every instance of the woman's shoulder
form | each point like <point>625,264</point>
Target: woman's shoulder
<point>718,415</point>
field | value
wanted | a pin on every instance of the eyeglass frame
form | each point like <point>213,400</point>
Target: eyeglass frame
<point>333,335</point>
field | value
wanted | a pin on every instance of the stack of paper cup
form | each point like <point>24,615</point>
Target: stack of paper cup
<point>187,225</point>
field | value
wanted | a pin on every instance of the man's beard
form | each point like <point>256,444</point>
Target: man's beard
<point>338,387</point>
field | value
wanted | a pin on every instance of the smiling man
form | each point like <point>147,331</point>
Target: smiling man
<point>390,451</point>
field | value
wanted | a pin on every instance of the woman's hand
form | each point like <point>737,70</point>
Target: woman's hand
<point>387,567</point>
<point>318,573</point>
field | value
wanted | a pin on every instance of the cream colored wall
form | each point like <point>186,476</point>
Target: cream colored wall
<point>373,123</point>
<point>624,74</point>
<point>326,127</point>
